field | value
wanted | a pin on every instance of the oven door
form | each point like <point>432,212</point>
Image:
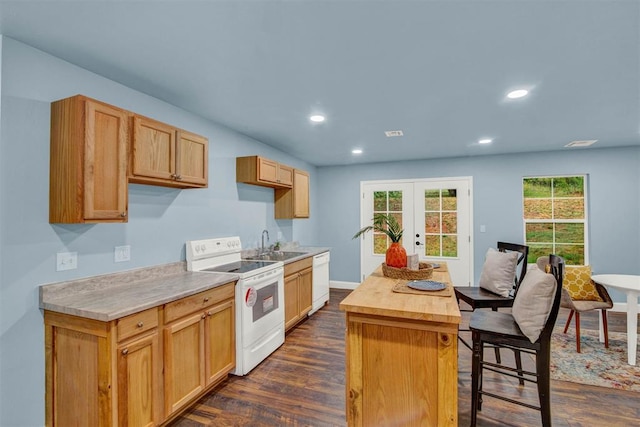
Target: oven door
<point>261,306</point>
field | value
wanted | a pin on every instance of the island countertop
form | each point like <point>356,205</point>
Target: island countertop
<point>375,297</point>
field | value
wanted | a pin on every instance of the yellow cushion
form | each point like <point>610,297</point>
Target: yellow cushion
<point>577,281</point>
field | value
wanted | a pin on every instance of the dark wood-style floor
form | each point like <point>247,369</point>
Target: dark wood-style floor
<point>302,384</point>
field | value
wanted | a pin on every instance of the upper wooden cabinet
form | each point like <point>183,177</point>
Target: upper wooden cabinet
<point>88,162</point>
<point>293,203</point>
<point>258,170</point>
<point>164,155</point>
<point>92,146</point>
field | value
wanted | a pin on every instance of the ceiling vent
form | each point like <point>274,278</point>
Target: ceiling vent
<point>584,143</point>
<point>392,133</point>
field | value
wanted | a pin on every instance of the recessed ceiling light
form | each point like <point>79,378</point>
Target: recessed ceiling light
<point>356,151</point>
<point>519,93</point>
<point>317,118</point>
<point>485,141</point>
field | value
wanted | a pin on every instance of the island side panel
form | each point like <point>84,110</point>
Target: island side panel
<point>400,371</point>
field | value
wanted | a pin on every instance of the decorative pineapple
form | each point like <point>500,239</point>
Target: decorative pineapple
<point>396,255</point>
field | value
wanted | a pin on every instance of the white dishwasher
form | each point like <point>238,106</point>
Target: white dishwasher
<point>320,281</point>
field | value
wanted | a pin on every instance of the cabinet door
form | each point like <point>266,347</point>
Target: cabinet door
<point>192,159</point>
<point>291,310</point>
<point>285,175</point>
<point>153,149</point>
<point>267,170</point>
<point>139,377</point>
<point>300,194</point>
<point>184,361</point>
<point>305,289</point>
<point>105,162</point>
<point>220,346</point>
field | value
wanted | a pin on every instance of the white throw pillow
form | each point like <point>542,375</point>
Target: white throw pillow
<point>533,302</point>
<point>499,271</point>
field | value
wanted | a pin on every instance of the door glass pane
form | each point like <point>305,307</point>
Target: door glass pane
<point>432,245</point>
<point>379,243</point>
<point>449,200</point>
<point>432,200</point>
<point>379,201</point>
<point>432,222</point>
<point>450,245</point>
<point>395,201</point>
<point>449,222</point>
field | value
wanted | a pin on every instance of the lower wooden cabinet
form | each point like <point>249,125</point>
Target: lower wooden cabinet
<point>199,351</point>
<point>139,381</point>
<point>126,372</point>
<point>298,287</point>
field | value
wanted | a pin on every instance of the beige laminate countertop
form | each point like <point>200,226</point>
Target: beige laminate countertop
<point>374,296</point>
<point>112,296</point>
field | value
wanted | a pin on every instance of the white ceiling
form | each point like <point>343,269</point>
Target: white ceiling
<point>437,70</point>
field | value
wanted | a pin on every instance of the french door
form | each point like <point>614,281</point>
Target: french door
<point>435,215</point>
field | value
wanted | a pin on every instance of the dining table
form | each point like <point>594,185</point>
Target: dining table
<point>630,285</point>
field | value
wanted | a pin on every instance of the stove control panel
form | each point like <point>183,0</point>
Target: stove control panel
<point>200,249</point>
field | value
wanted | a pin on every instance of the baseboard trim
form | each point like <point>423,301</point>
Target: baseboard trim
<point>343,285</point>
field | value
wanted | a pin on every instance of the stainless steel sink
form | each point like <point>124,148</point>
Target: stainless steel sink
<point>276,256</point>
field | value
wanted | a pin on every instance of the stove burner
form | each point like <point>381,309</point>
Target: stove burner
<point>239,266</point>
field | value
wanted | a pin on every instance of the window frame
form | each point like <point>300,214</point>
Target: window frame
<point>584,221</point>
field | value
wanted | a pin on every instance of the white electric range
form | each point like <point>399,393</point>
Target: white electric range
<point>259,297</point>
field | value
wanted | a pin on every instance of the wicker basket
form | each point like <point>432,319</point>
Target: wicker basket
<point>425,271</point>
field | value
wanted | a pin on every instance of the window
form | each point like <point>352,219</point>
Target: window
<point>555,217</point>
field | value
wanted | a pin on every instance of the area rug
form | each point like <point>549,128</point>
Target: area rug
<point>594,365</point>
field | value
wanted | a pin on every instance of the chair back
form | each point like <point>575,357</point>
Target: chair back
<point>522,261</point>
<point>556,267</point>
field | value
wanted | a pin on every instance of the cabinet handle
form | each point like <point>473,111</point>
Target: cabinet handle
<point>204,315</point>
<point>123,214</point>
<point>125,351</point>
<point>206,299</point>
<point>209,313</point>
<point>140,324</point>
<point>178,177</point>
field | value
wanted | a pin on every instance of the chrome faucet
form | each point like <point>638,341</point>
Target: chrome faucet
<point>262,248</point>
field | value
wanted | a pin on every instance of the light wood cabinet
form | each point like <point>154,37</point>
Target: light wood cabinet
<point>164,155</point>
<point>125,373</point>
<point>139,381</point>
<point>294,202</point>
<point>298,298</point>
<point>199,347</point>
<point>258,170</point>
<point>96,374</point>
<point>88,162</point>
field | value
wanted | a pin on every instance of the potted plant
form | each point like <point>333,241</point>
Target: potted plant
<point>396,255</point>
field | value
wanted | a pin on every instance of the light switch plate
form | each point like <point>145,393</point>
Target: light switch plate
<point>66,261</point>
<point>122,253</point>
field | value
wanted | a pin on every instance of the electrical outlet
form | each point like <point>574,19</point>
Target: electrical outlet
<point>66,261</point>
<point>122,253</point>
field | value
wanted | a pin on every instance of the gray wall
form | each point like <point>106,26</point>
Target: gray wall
<point>613,197</point>
<point>160,219</point>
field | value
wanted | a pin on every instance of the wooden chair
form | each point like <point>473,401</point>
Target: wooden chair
<point>500,329</point>
<point>478,297</point>
<point>580,306</point>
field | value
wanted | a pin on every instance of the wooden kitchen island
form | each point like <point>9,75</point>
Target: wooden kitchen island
<point>401,354</point>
